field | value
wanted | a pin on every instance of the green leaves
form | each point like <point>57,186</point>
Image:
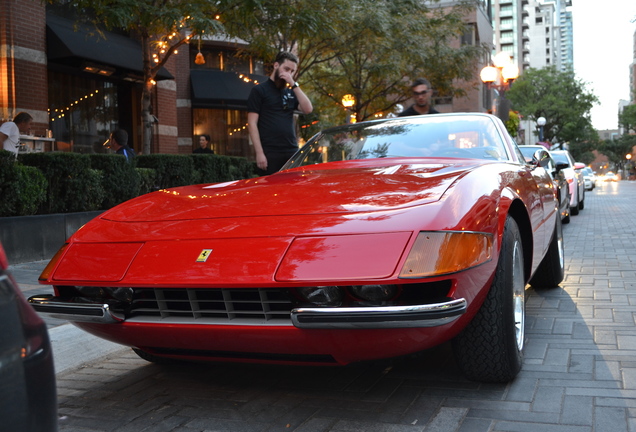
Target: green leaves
<point>558,97</point>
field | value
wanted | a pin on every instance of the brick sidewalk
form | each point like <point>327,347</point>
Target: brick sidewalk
<point>579,373</point>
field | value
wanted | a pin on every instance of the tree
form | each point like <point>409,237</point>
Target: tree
<point>162,27</point>
<point>370,49</point>
<point>627,118</point>
<point>375,59</point>
<point>617,149</point>
<point>558,97</point>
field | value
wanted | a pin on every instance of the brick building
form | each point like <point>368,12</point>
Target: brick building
<point>80,86</point>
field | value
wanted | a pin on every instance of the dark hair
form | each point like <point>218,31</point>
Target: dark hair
<point>421,81</point>
<point>22,117</point>
<point>121,136</point>
<point>286,55</point>
<point>207,137</point>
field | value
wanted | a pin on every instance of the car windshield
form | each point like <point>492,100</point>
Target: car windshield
<point>464,136</point>
<point>560,158</point>
<point>529,151</point>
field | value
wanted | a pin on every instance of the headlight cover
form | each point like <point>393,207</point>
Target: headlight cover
<point>436,253</point>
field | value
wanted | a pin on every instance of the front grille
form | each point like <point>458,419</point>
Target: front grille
<point>222,306</point>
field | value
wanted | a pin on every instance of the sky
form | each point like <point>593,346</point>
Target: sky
<point>603,52</point>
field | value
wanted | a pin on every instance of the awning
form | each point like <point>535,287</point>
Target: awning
<point>224,90</point>
<point>113,54</point>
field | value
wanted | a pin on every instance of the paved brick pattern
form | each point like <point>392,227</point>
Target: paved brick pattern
<point>579,373</point>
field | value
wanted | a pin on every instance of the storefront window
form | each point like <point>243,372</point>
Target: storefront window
<point>227,130</point>
<point>224,60</point>
<point>82,112</point>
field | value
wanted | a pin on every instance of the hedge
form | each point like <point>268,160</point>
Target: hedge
<point>61,182</point>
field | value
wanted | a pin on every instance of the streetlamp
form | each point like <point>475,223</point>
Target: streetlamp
<point>628,167</point>
<point>499,77</point>
<point>348,101</point>
<point>541,123</point>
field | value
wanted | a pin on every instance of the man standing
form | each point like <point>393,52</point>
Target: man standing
<point>204,145</point>
<point>421,92</point>
<point>270,118</point>
<point>10,131</point>
<point>119,142</point>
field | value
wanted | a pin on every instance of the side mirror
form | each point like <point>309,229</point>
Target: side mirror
<point>541,158</point>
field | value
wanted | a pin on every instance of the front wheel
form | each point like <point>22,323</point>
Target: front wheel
<point>490,348</point>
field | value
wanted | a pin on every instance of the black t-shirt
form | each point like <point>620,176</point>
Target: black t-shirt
<point>203,150</point>
<point>275,108</point>
<point>410,111</point>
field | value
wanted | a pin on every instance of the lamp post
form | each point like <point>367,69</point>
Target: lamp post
<point>499,77</point>
<point>628,167</point>
<point>348,101</point>
<point>541,124</point>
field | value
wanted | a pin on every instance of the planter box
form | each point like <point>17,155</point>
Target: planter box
<point>37,238</point>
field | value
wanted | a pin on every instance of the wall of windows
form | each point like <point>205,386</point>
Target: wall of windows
<point>227,130</point>
<point>82,112</point>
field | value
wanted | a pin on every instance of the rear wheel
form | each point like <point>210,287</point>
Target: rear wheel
<point>574,210</point>
<point>490,348</point>
<point>551,271</point>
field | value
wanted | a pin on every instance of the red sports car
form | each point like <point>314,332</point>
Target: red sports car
<point>377,239</point>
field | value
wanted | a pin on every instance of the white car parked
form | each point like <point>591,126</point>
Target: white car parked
<point>575,178</point>
<point>590,178</point>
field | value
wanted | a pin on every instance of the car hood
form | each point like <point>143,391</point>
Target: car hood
<point>341,188</point>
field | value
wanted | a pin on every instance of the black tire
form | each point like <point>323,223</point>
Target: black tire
<point>582,203</point>
<point>551,271</point>
<point>155,359</point>
<point>490,348</point>
<point>566,219</point>
<point>574,210</point>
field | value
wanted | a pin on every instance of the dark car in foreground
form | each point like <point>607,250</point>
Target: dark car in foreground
<point>377,239</point>
<point>28,398</point>
<point>556,171</point>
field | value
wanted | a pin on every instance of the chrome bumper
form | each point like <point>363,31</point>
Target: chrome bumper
<point>77,312</point>
<point>429,315</point>
<point>379,317</point>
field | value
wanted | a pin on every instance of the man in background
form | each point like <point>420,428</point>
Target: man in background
<point>421,92</point>
<point>119,142</point>
<point>270,117</point>
<point>10,131</point>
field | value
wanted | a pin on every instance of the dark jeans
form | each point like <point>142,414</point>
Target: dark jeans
<point>275,161</point>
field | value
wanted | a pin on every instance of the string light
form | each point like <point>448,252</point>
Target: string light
<point>59,113</point>
<point>236,130</point>
<point>247,79</point>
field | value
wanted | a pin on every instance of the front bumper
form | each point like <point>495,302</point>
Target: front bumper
<point>376,317</point>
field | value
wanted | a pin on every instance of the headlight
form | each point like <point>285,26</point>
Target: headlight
<point>121,294</point>
<point>374,293</point>
<point>438,253</point>
<point>91,292</point>
<point>322,295</point>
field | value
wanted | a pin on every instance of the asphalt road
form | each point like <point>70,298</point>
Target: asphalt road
<point>579,373</point>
